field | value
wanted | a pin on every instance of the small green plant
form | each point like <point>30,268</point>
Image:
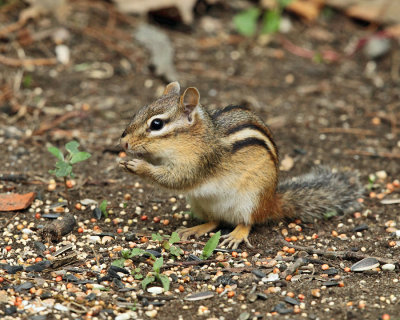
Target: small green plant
<point>246,21</point>
<point>156,275</point>
<point>103,208</point>
<point>167,243</point>
<point>210,246</point>
<point>63,167</point>
<point>330,214</point>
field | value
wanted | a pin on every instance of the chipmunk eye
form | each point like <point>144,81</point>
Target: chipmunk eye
<point>156,124</point>
<point>124,134</point>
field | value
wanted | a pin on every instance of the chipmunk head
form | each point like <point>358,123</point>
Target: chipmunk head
<point>157,129</point>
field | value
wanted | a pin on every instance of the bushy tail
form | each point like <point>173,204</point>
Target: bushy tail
<point>320,193</point>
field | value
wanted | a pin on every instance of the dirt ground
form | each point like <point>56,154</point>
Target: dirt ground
<point>344,114</point>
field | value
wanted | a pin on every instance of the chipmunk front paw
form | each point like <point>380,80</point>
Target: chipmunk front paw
<point>136,166</point>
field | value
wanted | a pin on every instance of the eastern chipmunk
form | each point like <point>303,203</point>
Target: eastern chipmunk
<point>226,162</point>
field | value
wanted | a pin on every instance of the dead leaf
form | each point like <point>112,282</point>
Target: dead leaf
<point>15,201</point>
<point>161,50</point>
<point>185,7</point>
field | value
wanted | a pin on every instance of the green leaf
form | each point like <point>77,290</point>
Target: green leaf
<point>210,246</point>
<point>174,238</point>
<point>138,276</point>
<point>126,254</point>
<point>166,245</point>
<point>72,147</point>
<point>56,152</point>
<point>63,169</point>
<point>158,264</point>
<point>146,281</point>
<point>271,21</point>
<point>80,156</point>
<point>118,263</point>
<point>284,3</point>
<point>164,281</point>
<point>156,237</point>
<point>330,214</point>
<point>103,208</point>
<point>246,21</point>
<point>176,251</point>
<point>136,252</point>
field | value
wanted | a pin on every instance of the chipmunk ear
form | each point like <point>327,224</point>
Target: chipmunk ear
<point>190,98</point>
<point>189,101</point>
<point>172,88</point>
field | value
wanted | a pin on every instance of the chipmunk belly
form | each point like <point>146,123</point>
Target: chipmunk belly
<point>222,199</point>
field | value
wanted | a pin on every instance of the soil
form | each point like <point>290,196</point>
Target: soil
<point>298,97</point>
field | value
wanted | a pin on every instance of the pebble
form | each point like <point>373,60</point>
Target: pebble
<point>382,175</point>
<point>151,313</point>
<point>271,277</point>
<point>282,309</point>
<point>126,316</point>
<point>258,273</point>
<point>388,267</point>
<point>244,316</point>
<point>292,301</point>
<point>361,227</point>
<point>155,290</point>
<point>95,239</point>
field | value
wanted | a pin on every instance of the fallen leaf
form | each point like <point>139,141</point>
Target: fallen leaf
<point>15,201</point>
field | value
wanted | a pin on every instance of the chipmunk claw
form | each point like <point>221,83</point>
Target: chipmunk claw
<point>237,236</point>
<point>197,231</point>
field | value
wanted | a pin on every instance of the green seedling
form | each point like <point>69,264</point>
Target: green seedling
<point>210,246</point>
<point>65,164</point>
<point>330,214</point>
<point>246,22</point>
<point>103,208</point>
<point>156,275</point>
<point>167,244</point>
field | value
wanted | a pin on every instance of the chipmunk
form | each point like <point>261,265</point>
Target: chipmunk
<point>226,162</point>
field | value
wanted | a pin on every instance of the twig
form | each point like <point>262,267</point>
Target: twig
<point>194,263</point>
<point>4,32</point>
<point>346,255</point>
<point>13,62</point>
<point>47,126</point>
<point>389,155</point>
<point>356,131</point>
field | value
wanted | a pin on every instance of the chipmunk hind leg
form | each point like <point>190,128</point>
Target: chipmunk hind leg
<point>237,236</point>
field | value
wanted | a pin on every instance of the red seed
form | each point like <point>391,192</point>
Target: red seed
<point>143,218</point>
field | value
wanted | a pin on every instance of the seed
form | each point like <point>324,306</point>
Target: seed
<point>80,230</point>
<point>8,248</point>
<point>291,250</point>
<point>234,254</point>
<point>245,255</point>
<point>78,206</point>
<point>59,278</point>
<point>70,183</point>
<point>156,219</point>
<point>293,238</point>
<point>127,197</point>
<point>119,230</point>
<point>290,294</point>
<point>334,233</point>
<point>219,290</point>
<point>144,239</point>
<point>166,222</point>
<point>347,269</point>
<point>122,154</point>
<point>372,194</point>
<point>288,277</point>
<point>231,294</point>
<point>392,243</point>
<point>143,218</point>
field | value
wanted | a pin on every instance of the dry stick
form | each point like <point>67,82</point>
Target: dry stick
<point>389,155</point>
<point>13,62</point>
<point>347,255</point>
<point>46,127</point>
<point>356,131</point>
<point>4,32</point>
<point>194,263</point>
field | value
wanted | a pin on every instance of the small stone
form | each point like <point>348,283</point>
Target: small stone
<point>282,309</point>
<point>244,316</point>
<point>376,47</point>
<point>272,277</point>
<point>365,264</point>
<point>10,310</point>
<point>258,273</point>
<point>155,290</point>
<point>382,175</point>
<point>151,313</point>
<point>106,239</point>
<point>130,236</point>
<point>95,239</point>
<point>388,267</point>
<point>331,272</point>
<point>252,297</point>
<point>360,228</point>
<point>291,301</point>
<point>262,296</point>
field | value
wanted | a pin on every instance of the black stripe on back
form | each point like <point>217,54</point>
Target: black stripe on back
<point>251,126</point>
<point>249,142</point>
<point>227,109</point>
